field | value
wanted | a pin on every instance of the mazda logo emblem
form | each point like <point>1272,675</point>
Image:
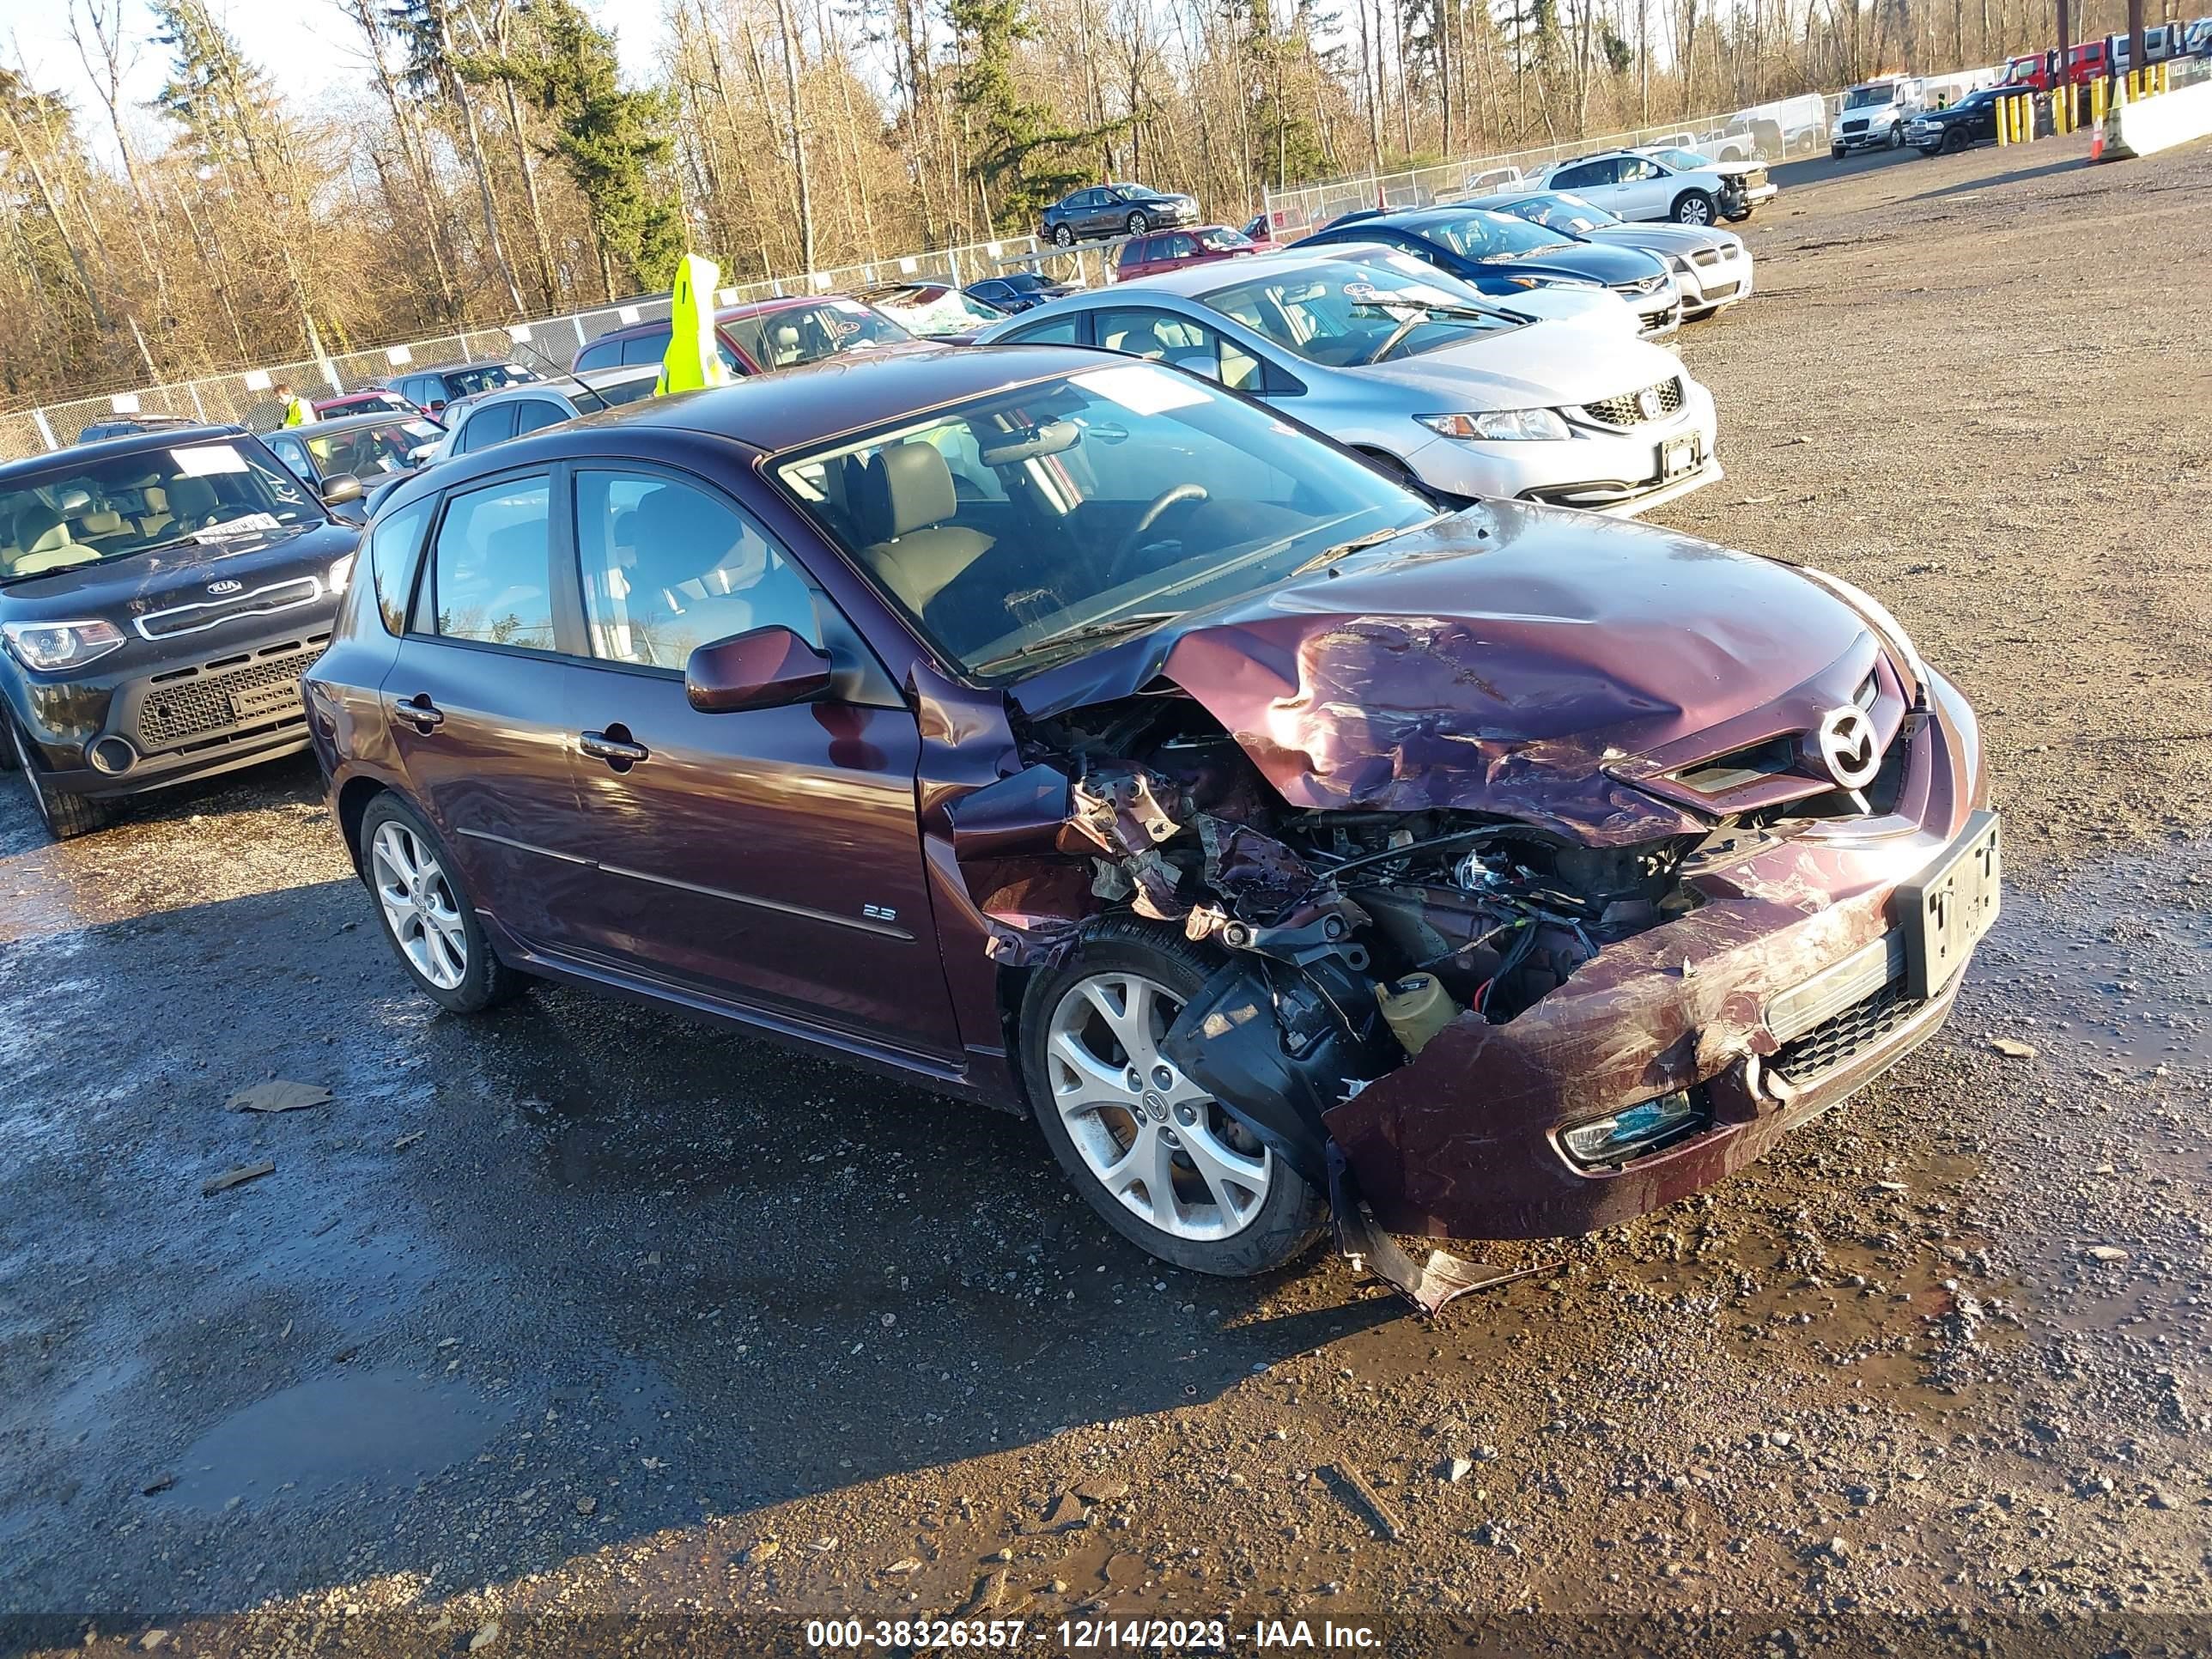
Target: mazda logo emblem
<point>224,587</point>
<point>1848,747</point>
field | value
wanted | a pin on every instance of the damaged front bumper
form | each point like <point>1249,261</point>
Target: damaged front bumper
<point>1466,1139</point>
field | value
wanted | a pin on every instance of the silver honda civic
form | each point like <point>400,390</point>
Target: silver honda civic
<point>1387,355</point>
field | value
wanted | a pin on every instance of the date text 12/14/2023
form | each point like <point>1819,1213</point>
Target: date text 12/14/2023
<point>1092,1635</point>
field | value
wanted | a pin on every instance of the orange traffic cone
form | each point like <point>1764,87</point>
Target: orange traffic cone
<point>2097,140</point>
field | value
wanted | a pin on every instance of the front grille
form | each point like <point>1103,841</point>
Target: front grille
<point>1855,126</point>
<point>261,602</point>
<point>1837,1041</point>
<point>243,690</point>
<point>1707,255</point>
<point>1720,290</point>
<point>1627,410</point>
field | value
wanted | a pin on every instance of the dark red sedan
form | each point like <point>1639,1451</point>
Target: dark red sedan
<point>1079,738</point>
<point>1169,250</point>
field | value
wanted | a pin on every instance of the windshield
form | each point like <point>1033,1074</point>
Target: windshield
<point>1563,211</point>
<point>1492,236</point>
<point>1869,97</point>
<point>614,393</point>
<point>1685,161</point>
<point>485,377</point>
<point>1221,239</point>
<point>1018,527</point>
<point>1344,313</point>
<point>81,513</point>
<point>930,311</point>
<point>806,334</point>
<point>368,452</point>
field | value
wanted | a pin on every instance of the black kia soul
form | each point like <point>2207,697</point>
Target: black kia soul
<point>160,595</point>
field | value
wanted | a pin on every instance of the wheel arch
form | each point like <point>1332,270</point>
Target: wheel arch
<point>352,806</point>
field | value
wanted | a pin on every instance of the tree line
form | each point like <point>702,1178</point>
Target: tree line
<point>489,163</point>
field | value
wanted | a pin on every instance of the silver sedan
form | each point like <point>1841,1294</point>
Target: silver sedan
<point>1416,369</point>
<point>1711,266</point>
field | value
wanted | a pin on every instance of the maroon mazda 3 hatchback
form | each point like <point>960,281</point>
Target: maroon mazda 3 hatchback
<point>1078,737</point>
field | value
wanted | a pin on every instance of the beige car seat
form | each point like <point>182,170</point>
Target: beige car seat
<point>42,542</point>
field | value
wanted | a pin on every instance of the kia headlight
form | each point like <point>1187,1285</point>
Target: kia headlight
<point>48,646</point>
<point>340,572</point>
<point>1499,424</point>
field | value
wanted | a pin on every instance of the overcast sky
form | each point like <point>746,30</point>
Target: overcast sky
<point>305,45</point>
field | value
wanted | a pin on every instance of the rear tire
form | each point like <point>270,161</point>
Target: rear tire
<point>425,915</point>
<point>65,815</point>
<point>1232,1209</point>
<point>1694,207</point>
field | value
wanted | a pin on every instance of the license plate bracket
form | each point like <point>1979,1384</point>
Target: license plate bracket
<point>1946,909</point>
<point>261,701</point>
<point>1680,457</point>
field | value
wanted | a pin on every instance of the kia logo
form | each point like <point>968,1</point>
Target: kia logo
<point>225,587</point>
<point>1849,748</point>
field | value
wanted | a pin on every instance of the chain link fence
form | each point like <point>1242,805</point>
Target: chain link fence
<point>248,397</point>
<point>1786,129</point>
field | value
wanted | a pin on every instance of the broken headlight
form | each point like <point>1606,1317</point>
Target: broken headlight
<point>1642,1128</point>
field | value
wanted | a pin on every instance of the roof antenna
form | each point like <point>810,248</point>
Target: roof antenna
<point>561,374</point>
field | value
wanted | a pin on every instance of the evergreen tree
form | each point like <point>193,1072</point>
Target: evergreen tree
<point>1019,156</point>
<point>610,139</point>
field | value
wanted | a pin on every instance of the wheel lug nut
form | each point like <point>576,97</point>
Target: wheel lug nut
<point>1162,1077</point>
<point>1136,1079</point>
<point>1187,1115</point>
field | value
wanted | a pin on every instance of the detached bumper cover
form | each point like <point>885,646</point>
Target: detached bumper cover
<point>1464,1140</point>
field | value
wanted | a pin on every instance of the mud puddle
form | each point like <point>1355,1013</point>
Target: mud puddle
<point>379,1430</point>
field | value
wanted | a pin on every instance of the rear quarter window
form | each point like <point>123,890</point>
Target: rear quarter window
<point>392,548</point>
<point>600,354</point>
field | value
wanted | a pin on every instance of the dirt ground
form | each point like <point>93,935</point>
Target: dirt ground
<point>585,1311</point>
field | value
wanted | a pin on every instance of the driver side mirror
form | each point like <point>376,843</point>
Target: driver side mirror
<point>339,489</point>
<point>766,668</point>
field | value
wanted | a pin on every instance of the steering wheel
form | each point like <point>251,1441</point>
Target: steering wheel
<point>1117,568</point>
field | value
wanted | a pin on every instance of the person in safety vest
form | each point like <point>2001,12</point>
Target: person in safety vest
<point>297,412</point>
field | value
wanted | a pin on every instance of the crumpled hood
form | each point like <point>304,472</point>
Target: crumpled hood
<point>1508,660</point>
<point>1543,365</point>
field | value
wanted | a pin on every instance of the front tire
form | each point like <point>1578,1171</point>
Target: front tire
<point>1694,207</point>
<point>1835,152</point>
<point>1064,236</point>
<point>425,913</point>
<point>1896,136</point>
<point>1137,224</point>
<point>65,815</point>
<point>1159,1159</point>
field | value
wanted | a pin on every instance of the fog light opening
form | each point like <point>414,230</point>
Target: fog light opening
<point>1633,1134</point>
<point>113,755</point>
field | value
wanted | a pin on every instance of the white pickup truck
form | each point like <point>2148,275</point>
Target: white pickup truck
<point>1875,113</point>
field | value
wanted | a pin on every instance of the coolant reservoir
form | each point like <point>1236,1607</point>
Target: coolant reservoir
<point>1416,1008</point>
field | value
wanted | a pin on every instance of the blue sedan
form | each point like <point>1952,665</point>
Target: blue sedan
<point>1501,254</point>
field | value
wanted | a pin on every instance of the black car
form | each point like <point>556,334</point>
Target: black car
<point>1019,290</point>
<point>160,595</point>
<point>1501,254</point>
<point>122,426</point>
<point>1115,211</point>
<point>432,389</point>
<point>1972,120</point>
<point>339,460</point>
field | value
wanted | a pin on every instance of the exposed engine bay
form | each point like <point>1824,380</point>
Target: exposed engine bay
<point>1353,936</point>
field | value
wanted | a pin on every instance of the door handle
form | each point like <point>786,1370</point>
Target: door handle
<point>619,752</point>
<point>419,709</point>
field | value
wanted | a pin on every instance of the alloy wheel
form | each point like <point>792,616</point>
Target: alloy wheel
<point>1696,211</point>
<point>418,905</point>
<point>1154,1140</point>
<point>1064,236</point>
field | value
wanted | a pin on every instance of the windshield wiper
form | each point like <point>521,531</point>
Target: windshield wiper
<point>1424,313</point>
<point>1102,629</point>
<point>1329,556</point>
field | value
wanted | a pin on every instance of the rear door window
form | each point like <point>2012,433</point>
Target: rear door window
<point>600,354</point>
<point>485,427</point>
<point>492,574</point>
<point>645,348</point>
<point>532,413</point>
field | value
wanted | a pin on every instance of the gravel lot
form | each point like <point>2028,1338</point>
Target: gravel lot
<point>585,1310</point>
